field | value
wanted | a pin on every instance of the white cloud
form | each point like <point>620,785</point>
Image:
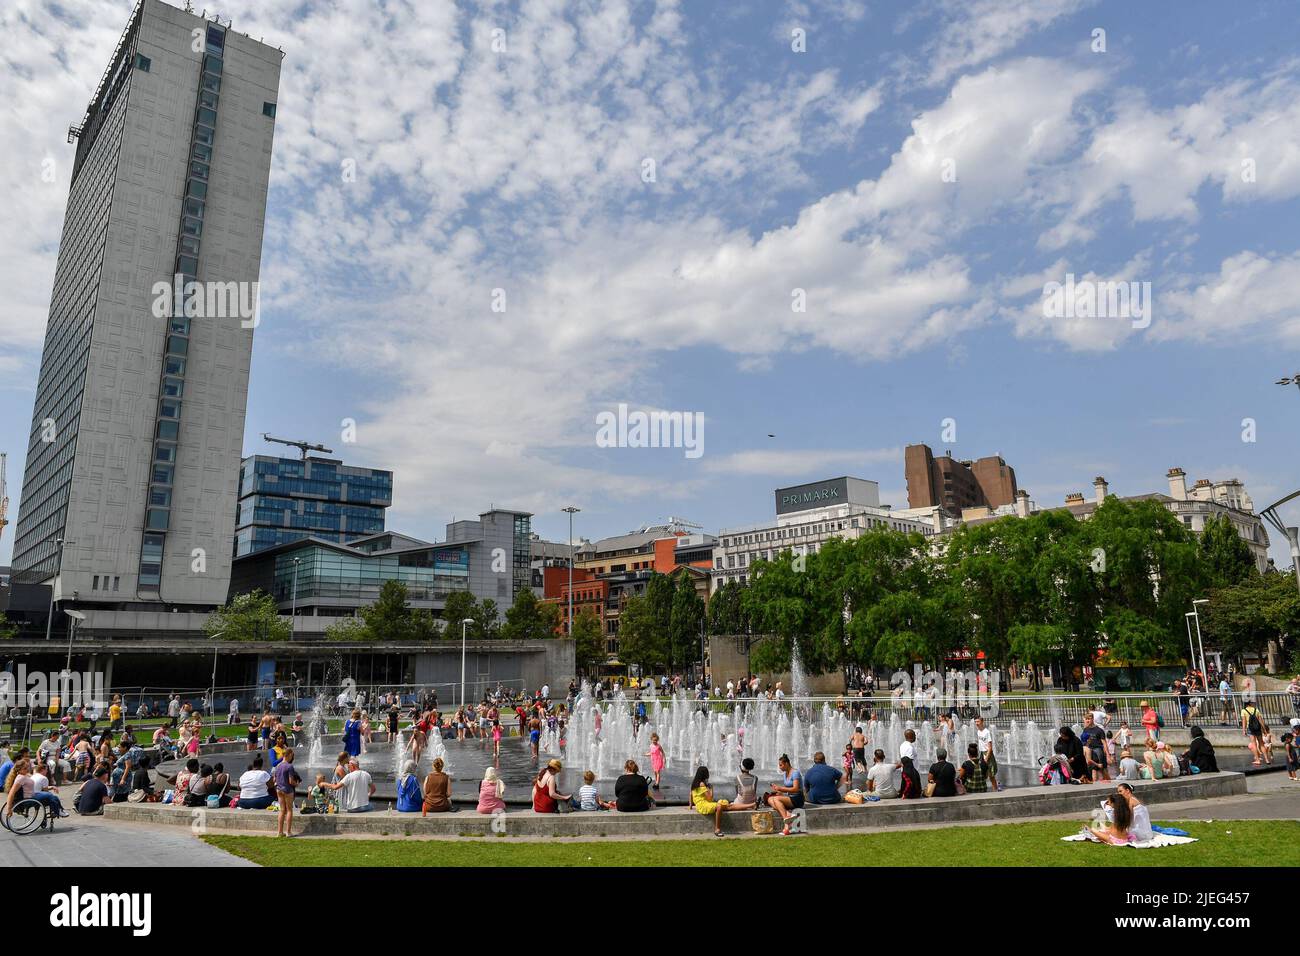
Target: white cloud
<point>973,32</point>
<point>796,462</point>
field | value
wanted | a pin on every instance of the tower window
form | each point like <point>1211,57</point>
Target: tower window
<point>268,109</point>
<point>142,62</point>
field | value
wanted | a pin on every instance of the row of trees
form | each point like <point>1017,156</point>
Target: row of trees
<point>1043,590</point>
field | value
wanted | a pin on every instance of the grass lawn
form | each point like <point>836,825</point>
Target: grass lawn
<point>1226,843</point>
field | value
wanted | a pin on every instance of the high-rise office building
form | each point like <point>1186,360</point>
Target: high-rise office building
<point>133,460</point>
<point>286,499</point>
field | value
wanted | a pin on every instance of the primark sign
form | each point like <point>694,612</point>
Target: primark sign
<point>814,495</point>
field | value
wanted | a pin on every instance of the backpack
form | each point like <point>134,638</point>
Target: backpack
<point>1160,721</point>
<point>1253,723</point>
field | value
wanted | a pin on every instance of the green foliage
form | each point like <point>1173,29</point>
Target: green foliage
<point>685,621</point>
<point>588,642</point>
<point>530,620</point>
<point>249,617</point>
<point>1225,555</point>
<point>641,640</point>
<point>1242,619</point>
<point>389,618</point>
<point>1047,589</point>
<point>458,606</point>
<point>726,612</point>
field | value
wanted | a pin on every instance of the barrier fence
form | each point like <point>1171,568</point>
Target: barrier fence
<point>1212,709</point>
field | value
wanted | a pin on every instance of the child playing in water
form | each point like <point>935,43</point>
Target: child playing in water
<point>1292,754</point>
<point>496,738</point>
<point>849,762</point>
<point>656,755</point>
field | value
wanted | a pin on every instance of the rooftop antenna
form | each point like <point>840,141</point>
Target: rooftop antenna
<point>302,446</point>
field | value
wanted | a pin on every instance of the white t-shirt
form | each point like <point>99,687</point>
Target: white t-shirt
<point>907,749</point>
<point>252,784</point>
<point>546,690</point>
<point>39,781</point>
<point>1141,826</point>
<point>882,775</point>
<point>355,790</point>
<point>234,706</point>
<point>780,694</point>
<point>984,737</point>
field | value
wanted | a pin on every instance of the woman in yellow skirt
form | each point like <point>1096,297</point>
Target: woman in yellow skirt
<point>702,800</point>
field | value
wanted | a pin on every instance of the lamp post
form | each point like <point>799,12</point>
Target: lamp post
<point>571,511</point>
<point>74,617</point>
<point>1199,642</point>
<point>293,614</point>
<point>212,688</point>
<point>465,623</point>
<point>58,569</point>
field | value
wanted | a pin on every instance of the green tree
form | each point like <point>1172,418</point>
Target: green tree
<point>459,606</point>
<point>1241,620</point>
<point>391,617</point>
<point>530,620</point>
<point>640,639</point>
<point>1226,557</point>
<point>686,619</point>
<point>8,629</point>
<point>726,612</point>
<point>487,621</point>
<point>249,617</point>
<point>588,642</point>
<point>351,630</point>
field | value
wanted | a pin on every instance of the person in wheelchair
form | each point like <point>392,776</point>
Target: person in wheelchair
<point>24,786</point>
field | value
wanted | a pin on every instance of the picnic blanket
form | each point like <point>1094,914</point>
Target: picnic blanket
<point>1159,840</point>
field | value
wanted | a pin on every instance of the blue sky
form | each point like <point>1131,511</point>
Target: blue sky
<point>481,169</point>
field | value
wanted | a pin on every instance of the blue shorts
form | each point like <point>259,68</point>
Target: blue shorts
<point>534,736</point>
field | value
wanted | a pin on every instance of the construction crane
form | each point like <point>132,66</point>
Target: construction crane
<point>676,524</point>
<point>302,446</point>
<point>4,496</point>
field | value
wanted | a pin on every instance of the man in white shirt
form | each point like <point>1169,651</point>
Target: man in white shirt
<point>1225,701</point>
<point>174,708</point>
<point>984,738</point>
<point>880,778</point>
<point>546,692</point>
<point>233,718</point>
<point>357,789</point>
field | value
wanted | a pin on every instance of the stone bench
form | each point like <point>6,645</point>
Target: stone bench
<point>682,821</point>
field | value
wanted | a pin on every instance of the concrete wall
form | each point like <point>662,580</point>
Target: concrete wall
<point>682,821</point>
<point>727,662</point>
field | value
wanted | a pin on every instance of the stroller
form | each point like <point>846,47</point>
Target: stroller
<point>1055,771</point>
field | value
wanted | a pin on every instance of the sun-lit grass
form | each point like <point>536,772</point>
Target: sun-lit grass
<point>1223,843</point>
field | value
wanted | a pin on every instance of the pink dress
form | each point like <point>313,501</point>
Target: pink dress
<point>656,758</point>
<point>488,801</point>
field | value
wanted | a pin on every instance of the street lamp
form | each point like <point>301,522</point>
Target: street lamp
<point>75,616</point>
<point>293,614</point>
<point>571,511</point>
<point>58,569</point>
<point>212,688</point>
<point>466,622</point>
<point>1200,643</point>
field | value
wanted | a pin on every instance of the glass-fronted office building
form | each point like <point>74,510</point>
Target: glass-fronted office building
<point>286,499</point>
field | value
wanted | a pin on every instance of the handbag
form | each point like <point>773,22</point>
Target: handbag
<point>855,796</point>
<point>136,796</point>
<point>761,822</point>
